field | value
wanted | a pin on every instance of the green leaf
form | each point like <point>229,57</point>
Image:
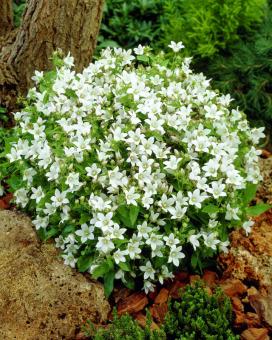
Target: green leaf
<point>84,263</point>
<point>133,214</point>
<point>258,209</point>
<point>128,215</point>
<point>159,261</point>
<point>108,283</point>
<point>101,270</point>
<point>210,209</point>
<point>249,193</point>
<point>129,283</point>
<point>15,182</point>
<point>68,230</point>
<point>41,234</point>
<point>45,235</point>
<point>124,266</point>
<point>194,260</point>
<point>143,58</point>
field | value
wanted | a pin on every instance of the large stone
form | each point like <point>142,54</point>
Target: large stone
<point>40,297</point>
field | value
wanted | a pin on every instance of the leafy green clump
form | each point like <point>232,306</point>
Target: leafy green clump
<point>198,315</point>
<point>207,27</point>
<point>124,327</point>
<point>247,72</point>
<point>129,23</point>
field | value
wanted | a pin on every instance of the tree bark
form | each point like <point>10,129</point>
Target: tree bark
<point>47,25</point>
<point>6,17</point>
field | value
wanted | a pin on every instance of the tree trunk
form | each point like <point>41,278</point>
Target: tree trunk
<point>47,25</point>
<point>6,17</point>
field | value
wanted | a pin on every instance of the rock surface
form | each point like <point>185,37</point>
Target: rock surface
<point>265,190</point>
<point>40,297</point>
<point>250,258</point>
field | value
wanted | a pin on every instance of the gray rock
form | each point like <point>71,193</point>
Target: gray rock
<point>40,297</point>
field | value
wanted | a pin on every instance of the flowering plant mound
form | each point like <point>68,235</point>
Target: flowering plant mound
<point>134,165</point>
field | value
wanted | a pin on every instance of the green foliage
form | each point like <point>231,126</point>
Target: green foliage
<point>18,9</point>
<point>197,315</point>
<point>129,23</point>
<point>124,327</point>
<point>247,73</point>
<point>208,26</point>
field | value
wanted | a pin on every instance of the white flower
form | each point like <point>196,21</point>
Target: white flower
<point>175,255</point>
<point>119,256</point>
<point>144,230</point>
<point>29,173</point>
<point>139,50</point>
<point>210,240</point>
<point>172,163</point>
<point>165,274</point>
<point>176,47</point>
<point>133,249</point>
<point>154,241</point>
<point>193,239</point>
<point>37,194</point>
<point>177,212</point>
<point>217,189</point>
<point>37,76</point>
<point>59,198</point>
<point>85,233</point>
<point>148,270</point>
<point>104,221</point>
<point>104,244</point>
<point>131,196</point>
<point>223,246</point>
<point>171,240</point>
<point>93,171</point>
<point>21,197</point>
<point>117,232</point>
<point>69,260</point>
<point>148,287</point>
<point>247,226</point>
<point>60,242</point>
<point>41,222</point>
<point>166,202</point>
<point>232,213</point>
<point>73,181</point>
<point>196,198</point>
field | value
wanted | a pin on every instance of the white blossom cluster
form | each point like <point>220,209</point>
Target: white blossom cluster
<point>136,162</point>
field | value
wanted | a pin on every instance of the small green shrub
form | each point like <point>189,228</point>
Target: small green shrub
<point>198,315</point>
<point>129,23</point>
<point>195,316</point>
<point>247,73</point>
<point>208,26</point>
<point>124,327</point>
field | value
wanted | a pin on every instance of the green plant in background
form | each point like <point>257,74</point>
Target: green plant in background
<point>129,23</point>
<point>247,73</point>
<point>124,327</point>
<point>18,9</point>
<point>206,27</point>
<point>198,315</point>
